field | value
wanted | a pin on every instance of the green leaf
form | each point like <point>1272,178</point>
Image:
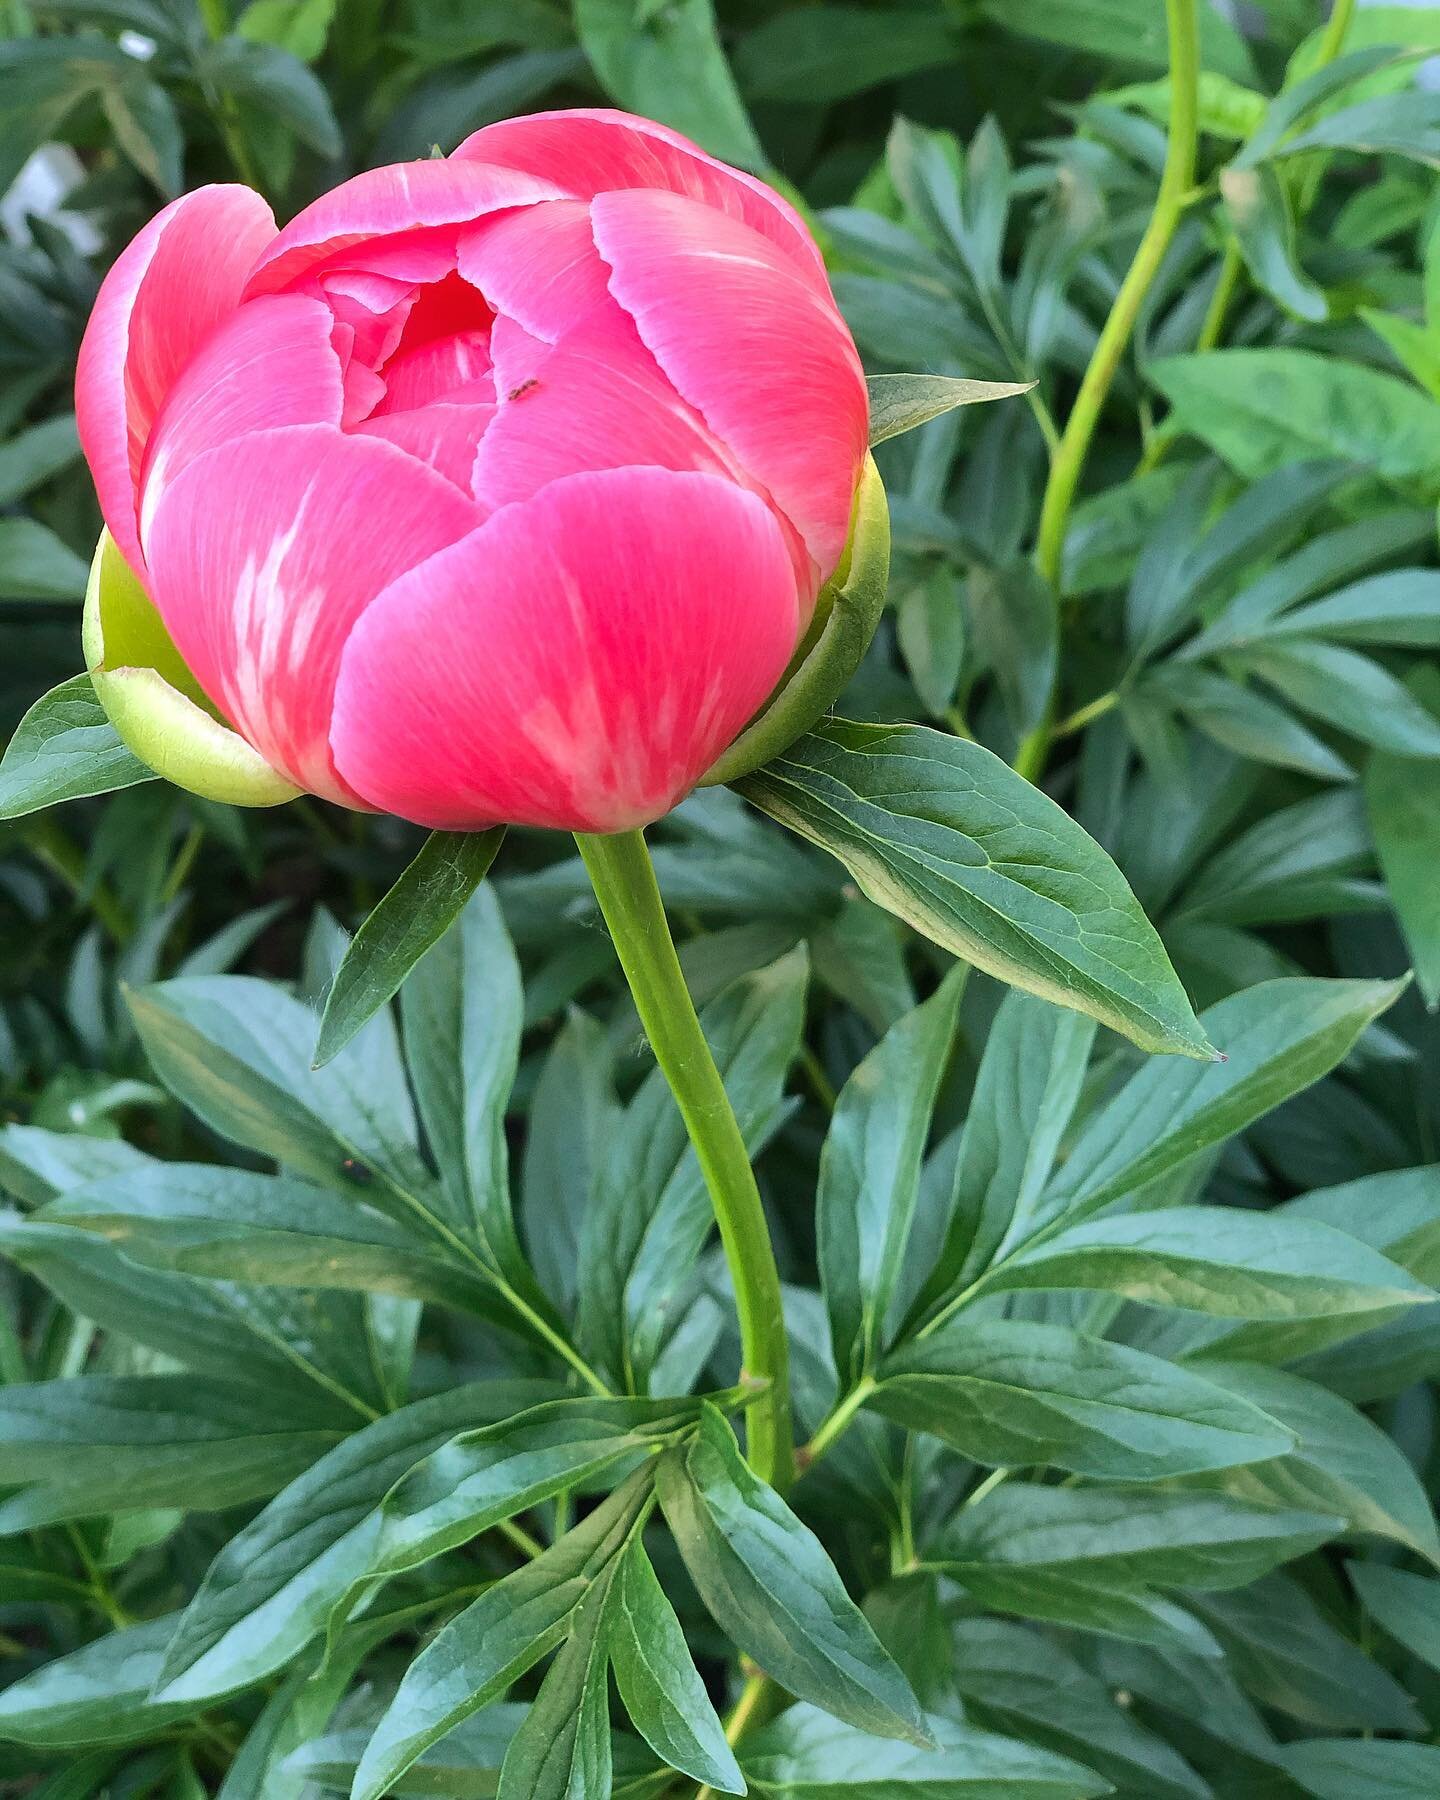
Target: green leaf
<point>1262,604</point>
<point>562,1749</point>
<point>463,1011</point>
<point>1245,721</point>
<point>476,1657</point>
<point>421,907</point>
<point>282,1577</point>
<point>231,1224</point>
<point>1126,1538</point>
<point>1126,31</point>
<point>64,749</point>
<point>300,1343</point>
<point>235,1050</point>
<point>96,1695</point>
<point>945,835</point>
<point>276,83</point>
<point>1277,1038</point>
<point>1340,1461</point>
<point>659,1684</point>
<point>1190,552</point>
<point>1400,606</point>
<point>1403,806</point>
<point>1025,1095</point>
<point>1404,124</point>
<point>1284,1651</point>
<point>768,1583</point>
<point>35,564</point>
<point>1258,206</point>
<point>1340,1769</point>
<point>930,629</point>
<point>899,403</point>
<point>1015,1680</point>
<point>806,1755</point>
<point>1008,1394</point>
<point>825,53</point>
<point>1197,1691</point>
<point>146,125</point>
<point>1227,110</point>
<point>1412,345</point>
<point>465,1762</point>
<point>1405,1605</point>
<point>299,26</point>
<point>32,457</point>
<point>98,1444</point>
<point>1301,97</point>
<point>1261,409</point>
<point>1220,1260</point>
<point>870,1176</point>
<point>1297,862</point>
<point>1016,625</point>
<point>420,1482</point>
<point>666,63</point>
<point>574,1116</point>
<point>1349,691</point>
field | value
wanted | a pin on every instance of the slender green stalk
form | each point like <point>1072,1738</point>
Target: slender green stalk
<point>1176,181</point>
<point>1341,13</point>
<point>1087,714</point>
<point>837,1421</point>
<point>624,882</point>
<point>1232,265</point>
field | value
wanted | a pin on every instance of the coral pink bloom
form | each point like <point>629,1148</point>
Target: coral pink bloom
<point>491,489</point>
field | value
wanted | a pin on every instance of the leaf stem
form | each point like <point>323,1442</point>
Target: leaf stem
<point>624,880</point>
<point>1176,181</point>
<point>1087,714</point>
<point>1232,265</point>
<point>839,1418</point>
<point>557,1341</point>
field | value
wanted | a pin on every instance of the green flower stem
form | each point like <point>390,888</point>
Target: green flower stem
<point>624,882</point>
<point>1176,182</point>
<point>1232,266</point>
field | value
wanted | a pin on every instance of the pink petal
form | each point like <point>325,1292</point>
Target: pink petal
<point>374,309</point>
<point>441,434</point>
<point>752,345</point>
<point>516,355</point>
<point>166,291</point>
<point>539,264</point>
<point>578,662</point>
<point>399,198</point>
<point>260,592</point>
<point>434,371</point>
<point>270,363</point>
<point>596,401</point>
<point>595,151</point>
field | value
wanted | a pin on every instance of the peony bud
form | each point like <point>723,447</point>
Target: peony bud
<point>493,489</point>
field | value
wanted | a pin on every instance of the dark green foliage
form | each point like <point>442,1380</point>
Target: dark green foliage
<point>371,1412</point>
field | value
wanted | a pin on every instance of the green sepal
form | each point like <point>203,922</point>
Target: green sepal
<point>846,616</point>
<point>155,703</point>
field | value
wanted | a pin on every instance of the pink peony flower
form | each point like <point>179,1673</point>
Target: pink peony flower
<point>491,489</point>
